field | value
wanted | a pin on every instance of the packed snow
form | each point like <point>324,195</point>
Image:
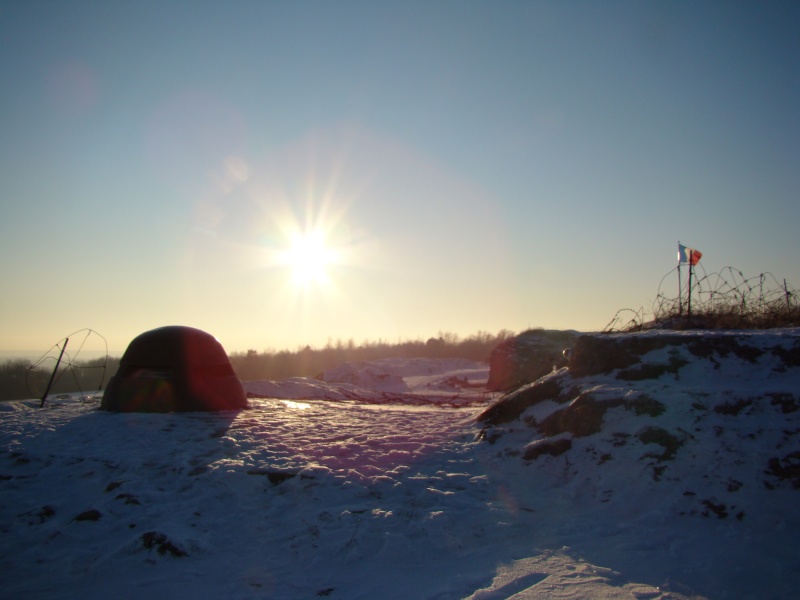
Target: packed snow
<point>376,481</point>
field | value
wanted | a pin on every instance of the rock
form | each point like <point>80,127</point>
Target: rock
<point>162,544</point>
<point>584,416</point>
<point>512,405</point>
<point>527,357</point>
<point>547,447</point>
<point>89,515</point>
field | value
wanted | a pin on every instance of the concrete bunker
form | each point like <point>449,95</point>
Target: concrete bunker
<point>174,369</point>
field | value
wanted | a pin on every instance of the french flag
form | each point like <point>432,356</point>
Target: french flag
<point>688,255</point>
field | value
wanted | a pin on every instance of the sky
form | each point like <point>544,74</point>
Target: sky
<point>290,173</point>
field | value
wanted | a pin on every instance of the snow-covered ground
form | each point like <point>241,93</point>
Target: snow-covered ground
<point>376,481</point>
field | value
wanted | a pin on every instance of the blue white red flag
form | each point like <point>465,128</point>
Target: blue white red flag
<point>688,255</point>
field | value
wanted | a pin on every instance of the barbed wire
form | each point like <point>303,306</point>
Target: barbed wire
<point>635,318</point>
<point>723,299</point>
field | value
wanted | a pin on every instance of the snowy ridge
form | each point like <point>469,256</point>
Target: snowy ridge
<point>676,479</point>
<point>701,432</point>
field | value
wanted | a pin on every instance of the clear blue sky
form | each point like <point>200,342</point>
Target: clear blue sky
<point>463,166</point>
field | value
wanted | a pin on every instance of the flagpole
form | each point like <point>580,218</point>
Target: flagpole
<point>689,305</point>
<point>680,287</point>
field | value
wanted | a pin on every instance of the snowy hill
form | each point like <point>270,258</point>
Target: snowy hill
<point>682,446</point>
<point>654,466</point>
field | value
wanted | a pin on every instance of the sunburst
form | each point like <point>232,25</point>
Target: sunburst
<point>309,258</point>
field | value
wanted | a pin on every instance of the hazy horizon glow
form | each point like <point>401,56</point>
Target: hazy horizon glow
<point>456,167</point>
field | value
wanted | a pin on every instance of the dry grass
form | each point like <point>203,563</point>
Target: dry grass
<point>732,317</point>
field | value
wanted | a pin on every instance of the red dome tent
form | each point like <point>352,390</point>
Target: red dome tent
<point>174,369</point>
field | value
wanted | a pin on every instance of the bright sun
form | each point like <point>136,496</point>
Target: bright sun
<point>308,258</point>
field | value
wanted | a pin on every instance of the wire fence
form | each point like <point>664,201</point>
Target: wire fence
<point>48,373</point>
<point>720,300</point>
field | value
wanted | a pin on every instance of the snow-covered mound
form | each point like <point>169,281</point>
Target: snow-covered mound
<point>454,381</point>
<point>700,430</point>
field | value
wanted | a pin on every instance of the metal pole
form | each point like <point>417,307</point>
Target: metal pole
<point>689,306</point>
<point>786,291</point>
<point>53,376</point>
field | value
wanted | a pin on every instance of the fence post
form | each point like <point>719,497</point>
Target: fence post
<point>53,376</point>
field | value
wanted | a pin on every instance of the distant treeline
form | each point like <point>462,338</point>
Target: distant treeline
<point>19,379</point>
<point>309,362</point>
